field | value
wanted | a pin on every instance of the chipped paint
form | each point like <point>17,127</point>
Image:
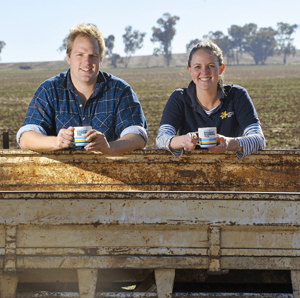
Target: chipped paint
<point>148,209</point>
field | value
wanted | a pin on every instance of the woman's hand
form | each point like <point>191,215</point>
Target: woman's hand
<point>225,144</point>
<point>190,141</point>
<point>187,142</point>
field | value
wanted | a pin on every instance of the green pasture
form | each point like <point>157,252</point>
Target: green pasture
<point>274,90</point>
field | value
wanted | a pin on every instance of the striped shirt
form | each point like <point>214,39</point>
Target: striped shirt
<point>252,140</point>
<point>234,117</point>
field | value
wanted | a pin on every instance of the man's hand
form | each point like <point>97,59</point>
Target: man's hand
<point>97,142</point>
<point>126,143</point>
<point>64,138</point>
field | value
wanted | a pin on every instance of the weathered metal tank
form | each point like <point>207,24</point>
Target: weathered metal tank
<point>81,220</point>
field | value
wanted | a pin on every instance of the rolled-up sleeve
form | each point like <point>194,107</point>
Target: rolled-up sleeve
<point>139,130</point>
<point>30,127</point>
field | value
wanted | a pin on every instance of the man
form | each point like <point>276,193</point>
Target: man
<point>84,96</point>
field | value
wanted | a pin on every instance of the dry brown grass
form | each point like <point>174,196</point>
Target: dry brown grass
<point>273,88</point>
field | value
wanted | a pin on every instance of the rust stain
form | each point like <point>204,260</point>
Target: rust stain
<point>150,171</point>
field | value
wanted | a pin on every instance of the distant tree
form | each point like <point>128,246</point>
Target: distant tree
<point>223,42</point>
<point>133,41</point>
<point>237,37</point>
<point>109,45</point>
<point>191,44</point>
<point>114,59</point>
<point>261,44</point>
<point>284,40</point>
<point>2,45</point>
<point>63,47</point>
<point>164,35</point>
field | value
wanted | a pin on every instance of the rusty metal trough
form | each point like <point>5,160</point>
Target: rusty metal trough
<point>74,216</point>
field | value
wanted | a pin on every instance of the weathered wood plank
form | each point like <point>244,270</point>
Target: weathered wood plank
<point>70,275</point>
<point>100,251</point>
<point>149,170</point>
<point>137,262</point>
<point>141,223</point>
<point>164,279</point>
<point>295,276</point>
<point>179,208</point>
<point>87,281</point>
<point>131,236</point>
<point>154,295</point>
<point>8,285</point>
<point>127,250</point>
<point>152,262</point>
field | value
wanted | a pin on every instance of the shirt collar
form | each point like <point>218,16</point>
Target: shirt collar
<point>192,100</point>
<point>100,85</point>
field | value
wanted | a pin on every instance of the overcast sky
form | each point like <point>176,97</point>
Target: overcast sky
<point>33,30</point>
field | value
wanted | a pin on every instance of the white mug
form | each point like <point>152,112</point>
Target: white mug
<point>80,135</point>
<point>207,136</point>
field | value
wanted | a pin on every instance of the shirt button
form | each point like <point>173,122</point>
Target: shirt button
<point>80,106</point>
<point>83,118</point>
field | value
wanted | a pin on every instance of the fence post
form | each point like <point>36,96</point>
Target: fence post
<point>5,140</point>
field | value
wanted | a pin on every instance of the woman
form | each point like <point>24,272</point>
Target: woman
<point>206,102</point>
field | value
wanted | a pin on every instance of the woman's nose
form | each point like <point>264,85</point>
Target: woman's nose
<point>205,70</point>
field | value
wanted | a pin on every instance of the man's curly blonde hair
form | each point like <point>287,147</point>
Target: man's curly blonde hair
<point>87,30</point>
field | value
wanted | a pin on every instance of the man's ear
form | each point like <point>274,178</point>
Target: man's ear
<point>68,58</point>
<point>222,67</point>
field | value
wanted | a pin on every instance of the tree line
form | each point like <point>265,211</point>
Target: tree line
<point>260,43</point>
<point>2,44</point>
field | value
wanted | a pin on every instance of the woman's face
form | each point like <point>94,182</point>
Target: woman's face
<point>205,70</point>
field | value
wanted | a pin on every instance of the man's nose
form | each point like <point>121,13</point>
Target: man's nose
<point>87,59</point>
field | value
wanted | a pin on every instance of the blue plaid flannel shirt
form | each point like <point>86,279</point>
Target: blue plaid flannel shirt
<point>111,108</point>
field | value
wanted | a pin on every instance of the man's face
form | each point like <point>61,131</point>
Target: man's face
<point>84,61</point>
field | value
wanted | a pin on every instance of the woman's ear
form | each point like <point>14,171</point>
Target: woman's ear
<point>222,67</point>
<point>189,69</point>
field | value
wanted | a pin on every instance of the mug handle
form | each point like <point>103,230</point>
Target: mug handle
<point>196,133</point>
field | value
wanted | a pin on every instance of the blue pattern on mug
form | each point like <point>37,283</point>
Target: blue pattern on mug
<point>79,136</point>
<point>208,142</point>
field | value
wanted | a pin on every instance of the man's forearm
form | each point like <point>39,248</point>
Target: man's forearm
<point>127,143</point>
<point>35,141</point>
<point>31,140</point>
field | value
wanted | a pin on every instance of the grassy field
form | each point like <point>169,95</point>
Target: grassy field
<point>274,90</point>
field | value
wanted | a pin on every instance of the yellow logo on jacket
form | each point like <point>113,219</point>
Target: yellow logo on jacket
<point>223,115</point>
<point>226,115</point>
